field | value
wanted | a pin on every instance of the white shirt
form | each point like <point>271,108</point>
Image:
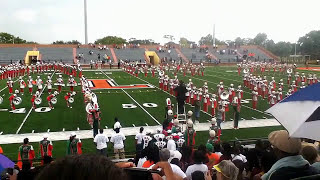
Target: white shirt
<point>139,137</point>
<point>196,167</point>
<point>176,169</point>
<point>171,145</point>
<point>101,141</point>
<point>117,140</point>
<point>117,125</point>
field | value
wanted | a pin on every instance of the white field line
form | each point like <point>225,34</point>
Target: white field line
<point>25,119</point>
<point>135,102</point>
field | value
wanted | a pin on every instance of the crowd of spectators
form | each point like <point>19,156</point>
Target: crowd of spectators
<point>279,158</point>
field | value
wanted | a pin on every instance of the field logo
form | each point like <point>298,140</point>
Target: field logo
<point>150,105</point>
<point>19,111</point>
<point>42,109</point>
<point>110,84</point>
<point>245,101</point>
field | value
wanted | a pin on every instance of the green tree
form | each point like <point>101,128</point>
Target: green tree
<point>208,40</point>
<point>111,40</point>
<point>239,41</point>
<point>184,42</point>
<point>260,39</point>
<point>143,41</point>
<point>6,38</point>
<point>310,44</point>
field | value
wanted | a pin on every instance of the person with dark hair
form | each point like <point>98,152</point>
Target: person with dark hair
<point>164,155</point>
<point>198,165</point>
<point>139,140</point>
<point>116,123</point>
<point>181,96</point>
<point>267,160</point>
<point>82,167</point>
<point>226,152</point>
<point>290,164</point>
<point>152,153</point>
<point>74,145</point>
<point>101,141</point>
<point>118,143</point>
<point>310,153</point>
<point>186,160</point>
<point>197,175</point>
<point>26,153</point>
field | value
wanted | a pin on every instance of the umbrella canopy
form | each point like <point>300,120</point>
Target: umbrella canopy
<point>5,163</point>
<point>300,113</point>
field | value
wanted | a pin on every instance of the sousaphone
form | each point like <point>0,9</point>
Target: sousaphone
<point>38,101</point>
<point>54,100</point>
<point>17,101</point>
<point>289,71</point>
<point>224,95</point>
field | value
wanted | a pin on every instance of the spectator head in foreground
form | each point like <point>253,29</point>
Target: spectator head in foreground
<point>82,167</point>
<point>226,170</point>
<point>310,153</point>
<point>290,164</point>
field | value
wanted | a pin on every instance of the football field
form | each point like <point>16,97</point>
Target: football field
<point>135,101</point>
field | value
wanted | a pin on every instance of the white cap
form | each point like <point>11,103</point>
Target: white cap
<point>213,120</point>
<point>45,136</point>
<point>189,123</point>
<point>170,112</point>
<point>190,113</point>
<point>73,134</point>
<point>175,121</point>
<point>212,133</point>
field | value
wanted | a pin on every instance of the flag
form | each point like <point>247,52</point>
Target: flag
<point>300,113</point>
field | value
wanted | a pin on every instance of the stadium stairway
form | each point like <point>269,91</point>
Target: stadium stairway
<point>128,131</point>
<point>182,55</point>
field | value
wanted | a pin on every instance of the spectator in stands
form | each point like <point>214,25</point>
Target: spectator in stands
<point>198,175</point>
<point>118,143</point>
<point>226,170</point>
<point>152,153</point>
<point>240,165</point>
<point>186,159</point>
<point>226,152</point>
<point>26,173</point>
<point>139,140</point>
<point>237,154</point>
<point>310,153</point>
<point>101,141</point>
<point>217,149</point>
<point>164,155</point>
<point>290,164</point>
<point>167,170</point>
<point>267,160</point>
<point>9,174</point>
<point>82,168</point>
<point>198,165</point>
<point>213,158</point>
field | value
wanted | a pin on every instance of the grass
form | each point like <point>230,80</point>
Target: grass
<point>11,150</point>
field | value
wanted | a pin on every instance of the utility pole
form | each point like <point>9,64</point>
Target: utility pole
<point>85,23</point>
<point>214,35</point>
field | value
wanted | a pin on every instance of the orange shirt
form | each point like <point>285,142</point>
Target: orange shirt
<point>147,164</point>
<point>213,160</point>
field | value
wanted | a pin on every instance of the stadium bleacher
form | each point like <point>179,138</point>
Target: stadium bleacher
<point>193,54</point>
<point>12,53</point>
<point>135,54</point>
<point>51,53</point>
<point>94,56</point>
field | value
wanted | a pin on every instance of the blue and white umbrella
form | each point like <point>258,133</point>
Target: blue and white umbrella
<point>300,113</point>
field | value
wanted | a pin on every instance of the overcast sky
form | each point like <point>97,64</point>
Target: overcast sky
<point>45,21</point>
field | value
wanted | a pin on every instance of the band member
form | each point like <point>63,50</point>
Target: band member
<point>72,83</point>
<point>171,86</point>
<point>33,98</point>
<point>74,145</point>
<point>214,104</point>
<point>50,97</point>
<point>25,153</point>
<point>206,100</point>
<point>190,134</point>
<point>59,83</point>
<point>49,85</point>
<point>279,95</point>
<point>188,93</point>
<point>232,93</point>
<point>67,97</point>
<point>22,84</point>
<point>254,98</point>
<point>39,83</point>
<point>165,83</point>
<point>10,85</point>
<point>161,79</point>
<point>236,108</point>
<point>46,147</point>
<point>11,99</point>
<point>272,98</point>
<point>30,84</point>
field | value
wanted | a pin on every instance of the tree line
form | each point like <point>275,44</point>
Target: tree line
<point>308,44</point>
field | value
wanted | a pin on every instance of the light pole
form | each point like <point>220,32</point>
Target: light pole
<point>85,23</point>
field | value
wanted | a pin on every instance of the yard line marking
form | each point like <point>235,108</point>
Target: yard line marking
<point>136,102</point>
<point>147,124</point>
<point>25,119</point>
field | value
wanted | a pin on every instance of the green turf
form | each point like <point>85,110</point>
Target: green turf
<point>11,150</point>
